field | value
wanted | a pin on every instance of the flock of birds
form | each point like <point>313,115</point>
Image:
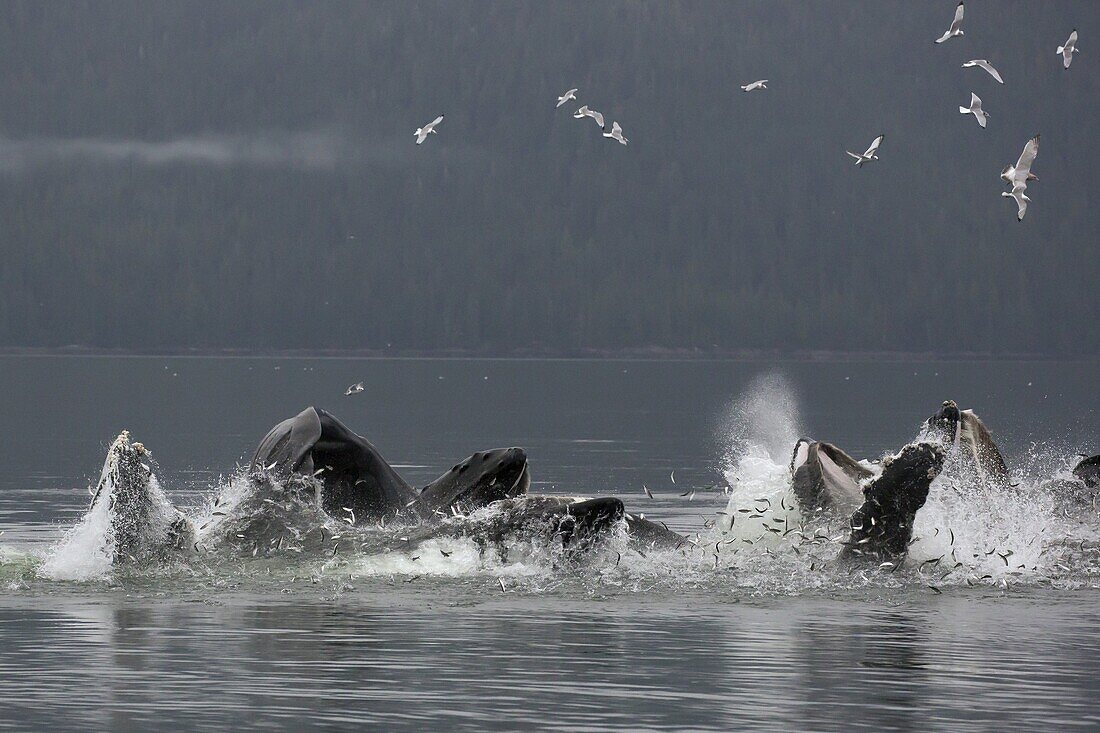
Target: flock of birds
<point>615,133</point>
<point>1017,176</point>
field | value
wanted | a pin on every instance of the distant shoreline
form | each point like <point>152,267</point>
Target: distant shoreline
<point>640,354</point>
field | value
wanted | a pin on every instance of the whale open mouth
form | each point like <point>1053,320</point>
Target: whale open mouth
<point>522,482</point>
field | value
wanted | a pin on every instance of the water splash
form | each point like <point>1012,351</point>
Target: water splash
<point>760,541</point>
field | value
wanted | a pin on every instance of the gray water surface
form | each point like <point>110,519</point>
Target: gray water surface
<point>760,643</point>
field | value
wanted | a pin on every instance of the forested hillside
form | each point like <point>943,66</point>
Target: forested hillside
<point>244,175</point>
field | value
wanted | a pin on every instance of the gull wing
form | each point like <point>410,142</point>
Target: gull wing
<point>1023,165</point>
<point>421,135</point>
<point>433,123</point>
<point>874,146</point>
<point>615,128</point>
<point>597,117</point>
<point>958,18</point>
<point>1021,200</point>
<point>992,72</point>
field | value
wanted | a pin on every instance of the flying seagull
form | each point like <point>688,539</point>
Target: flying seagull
<point>1069,49</point>
<point>1021,200</point>
<point>871,153</point>
<point>762,84</point>
<point>975,109</point>
<point>954,30</point>
<point>428,129</point>
<point>983,64</point>
<point>585,112</point>
<point>354,389</point>
<point>571,94</point>
<point>1018,175</point>
<point>616,133</point>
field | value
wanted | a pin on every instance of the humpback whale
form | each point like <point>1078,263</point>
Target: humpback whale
<point>964,430</point>
<point>883,510</point>
<point>478,481</point>
<point>883,525</point>
<point>141,523</point>
<point>353,474</point>
<point>355,478</point>
<point>1087,471</point>
<point>311,472</point>
<point>574,525</point>
<point>825,477</point>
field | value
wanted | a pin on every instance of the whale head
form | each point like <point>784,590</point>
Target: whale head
<point>142,525</point>
<point>481,479</point>
<point>944,425</point>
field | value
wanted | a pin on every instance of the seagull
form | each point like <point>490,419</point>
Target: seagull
<point>1021,200</point>
<point>354,389</point>
<point>571,94</point>
<point>585,112</point>
<point>762,84</point>
<point>983,64</point>
<point>428,129</point>
<point>975,108</point>
<point>870,154</point>
<point>616,133</point>
<point>1069,49</point>
<point>1018,175</point>
<point>954,30</point>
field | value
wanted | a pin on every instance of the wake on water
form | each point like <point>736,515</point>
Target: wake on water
<point>759,542</point>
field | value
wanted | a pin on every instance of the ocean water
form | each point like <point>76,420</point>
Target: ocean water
<point>988,626</point>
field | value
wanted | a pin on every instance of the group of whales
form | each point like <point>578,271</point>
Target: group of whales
<point>311,472</point>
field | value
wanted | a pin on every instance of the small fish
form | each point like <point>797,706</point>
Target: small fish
<point>935,590</point>
<point>502,588</point>
<point>414,558</point>
<point>445,554</point>
<point>647,491</point>
<point>690,494</point>
<point>335,549</point>
<point>672,476</point>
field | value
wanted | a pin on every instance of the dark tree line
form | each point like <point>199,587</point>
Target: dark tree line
<point>243,175</point>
